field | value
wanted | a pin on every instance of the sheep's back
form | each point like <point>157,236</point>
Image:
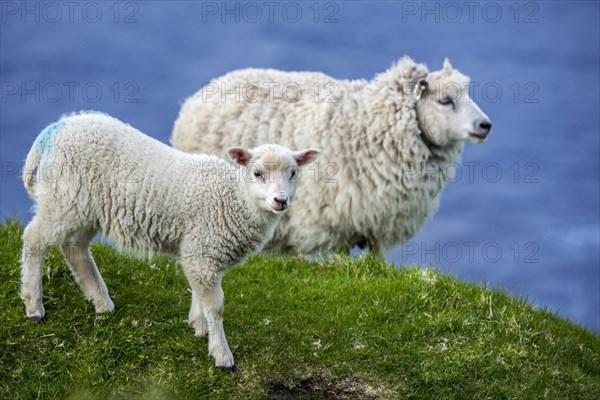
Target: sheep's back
<point>256,106</point>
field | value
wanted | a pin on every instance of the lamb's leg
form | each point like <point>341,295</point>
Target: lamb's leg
<point>212,306</point>
<point>196,316</point>
<point>35,247</point>
<point>207,286</point>
<point>77,253</point>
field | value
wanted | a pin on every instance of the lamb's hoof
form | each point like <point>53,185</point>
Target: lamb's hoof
<point>104,306</point>
<point>230,370</point>
<point>199,329</point>
<point>38,319</point>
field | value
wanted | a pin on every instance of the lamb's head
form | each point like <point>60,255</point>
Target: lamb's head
<point>269,173</point>
<point>445,112</point>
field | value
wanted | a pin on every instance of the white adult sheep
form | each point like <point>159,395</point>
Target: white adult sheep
<point>95,173</point>
<point>389,145</point>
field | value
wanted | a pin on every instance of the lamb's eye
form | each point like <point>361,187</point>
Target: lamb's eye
<point>258,174</point>
<point>293,175</point>
<point>446,101</point>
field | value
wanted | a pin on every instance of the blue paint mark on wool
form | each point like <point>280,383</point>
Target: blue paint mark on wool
<point>42,142</point>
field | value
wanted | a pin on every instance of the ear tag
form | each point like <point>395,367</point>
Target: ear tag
<point>420,87</point>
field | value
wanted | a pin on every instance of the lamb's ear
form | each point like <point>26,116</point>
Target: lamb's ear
<point>305,157</point>
<point>240,155</point>
<point>447,66</point>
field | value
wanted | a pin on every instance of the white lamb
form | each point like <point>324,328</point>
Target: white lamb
<point>389,145</point>
<point>95,173</point>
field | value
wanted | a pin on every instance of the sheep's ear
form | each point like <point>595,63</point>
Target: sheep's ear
<point>305,157</point>
<point>447,66</point>
<point>240,155</point>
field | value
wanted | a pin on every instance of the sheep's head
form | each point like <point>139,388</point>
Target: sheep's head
<point>270,172</point>
<point>445,111</point>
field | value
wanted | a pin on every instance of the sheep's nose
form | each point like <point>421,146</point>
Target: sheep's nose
<point>486,125</point>
<point>281,200</point>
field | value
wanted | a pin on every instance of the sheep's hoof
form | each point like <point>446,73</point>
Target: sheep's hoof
<point>38,319</point>
<point>231,369</point>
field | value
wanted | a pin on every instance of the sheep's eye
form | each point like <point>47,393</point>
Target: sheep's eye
<point>258,174</point>
<point>446,100</point>
<point>293,174</point>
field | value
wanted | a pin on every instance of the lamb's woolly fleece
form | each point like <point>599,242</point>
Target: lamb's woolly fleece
<point>140,193</point>
<point>369,136</point>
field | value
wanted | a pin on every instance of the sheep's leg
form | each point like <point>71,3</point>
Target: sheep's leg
<point>196,316</point>
<point>76,251</point>
<point>376,248</point>
<point>35,248</point>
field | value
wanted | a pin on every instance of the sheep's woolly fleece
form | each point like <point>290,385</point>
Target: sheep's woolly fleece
<point>378,179</point>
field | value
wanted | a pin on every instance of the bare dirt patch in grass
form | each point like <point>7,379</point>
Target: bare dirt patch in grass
<point>320,385</point>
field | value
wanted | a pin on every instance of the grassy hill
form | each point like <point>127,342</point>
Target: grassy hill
<point>339,328</point>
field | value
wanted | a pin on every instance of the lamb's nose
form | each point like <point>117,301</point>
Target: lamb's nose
<point>486,125</point>
<point>281,200</point>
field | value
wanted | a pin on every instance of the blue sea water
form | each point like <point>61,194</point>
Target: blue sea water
<point>523,213</point>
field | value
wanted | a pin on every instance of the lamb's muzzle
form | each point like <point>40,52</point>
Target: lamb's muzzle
<point>282,203</point>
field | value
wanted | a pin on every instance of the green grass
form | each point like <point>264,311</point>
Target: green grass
<point>298,328</point>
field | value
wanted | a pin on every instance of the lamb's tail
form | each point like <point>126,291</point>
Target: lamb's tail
<point>32,162</point>
<point>29,171</point>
